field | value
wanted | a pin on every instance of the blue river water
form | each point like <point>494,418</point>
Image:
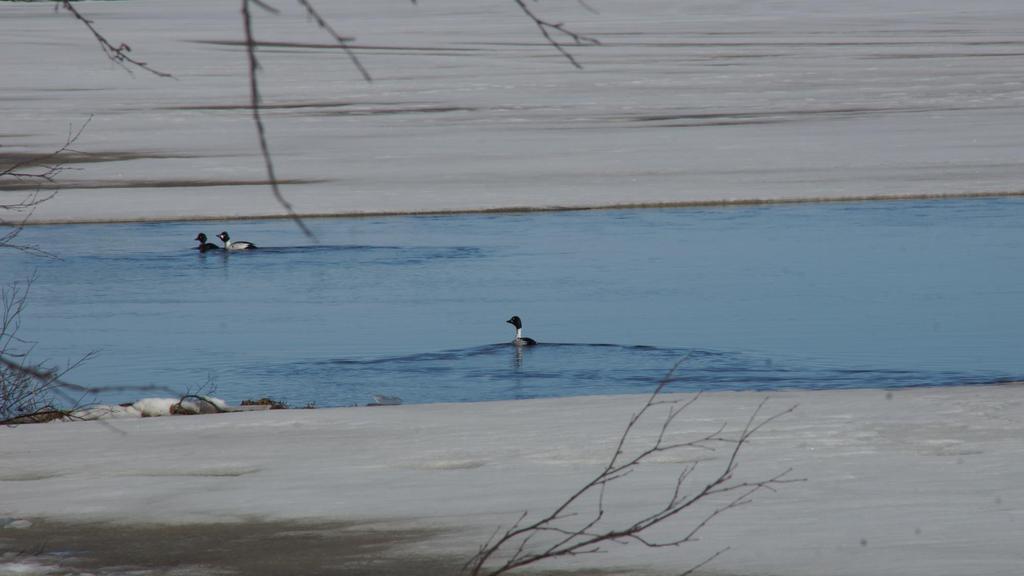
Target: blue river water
<point>836,295</point>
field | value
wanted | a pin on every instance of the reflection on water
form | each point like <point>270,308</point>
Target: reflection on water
<point>818,296</point>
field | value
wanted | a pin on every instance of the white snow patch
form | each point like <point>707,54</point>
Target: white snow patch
<point>19,524</point>
<point>155,406</point>
<point>165,407</point>
<point>26,568</point>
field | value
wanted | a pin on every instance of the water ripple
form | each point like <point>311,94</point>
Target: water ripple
<point>503,372</point>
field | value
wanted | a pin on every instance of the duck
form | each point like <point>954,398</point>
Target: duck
<point>205,246</point>
<point>229,245</point>
<point>520,340</point>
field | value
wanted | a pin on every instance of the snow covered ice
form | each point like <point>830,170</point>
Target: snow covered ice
<point>469,109</point>
<point>906,482</point>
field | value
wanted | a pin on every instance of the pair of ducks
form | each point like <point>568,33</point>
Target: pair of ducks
<point>205,246</point>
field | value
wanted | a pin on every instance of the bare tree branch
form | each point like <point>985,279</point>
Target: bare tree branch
<point>55,377</point>
<point>7,240</point>
<point>30,392</point>
<point>254,101</point>
<point>46,166</point>
<point>705,562</point>
<point>552,30</point>
<point>588,7</point>
<point>266,7</point>
<point>254,91</point>
<point>26,392</point>
<point>342,41</point>
<point>120,55</point>
<point>117,54</point>
<point>42,170</point>
<point>597,530</point>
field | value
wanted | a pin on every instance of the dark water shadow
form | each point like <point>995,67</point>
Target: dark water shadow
<point>396,255</point>
<point>373,254</point>
<point>506,372</point>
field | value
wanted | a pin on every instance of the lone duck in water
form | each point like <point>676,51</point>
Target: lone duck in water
<point>229,245</point>
<point>520,340</point>
<point>205,246</point>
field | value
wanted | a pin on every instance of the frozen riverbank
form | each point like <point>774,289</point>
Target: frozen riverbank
<point>470,110</point>
<point>909,482</point>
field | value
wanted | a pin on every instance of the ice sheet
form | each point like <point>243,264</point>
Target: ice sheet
<point>915,482</point>
<point>470,110</point>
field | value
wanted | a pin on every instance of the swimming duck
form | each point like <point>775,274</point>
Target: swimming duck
<point>229,245</point>
<point>205,246</point>
<point>520,340</point>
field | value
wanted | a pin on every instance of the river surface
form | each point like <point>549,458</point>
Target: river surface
<point>831,295</point>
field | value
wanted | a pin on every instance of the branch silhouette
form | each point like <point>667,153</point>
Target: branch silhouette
<point>41,170</point>
<point>551,30</point>
<point>118,54</point>
<point>570,529</point>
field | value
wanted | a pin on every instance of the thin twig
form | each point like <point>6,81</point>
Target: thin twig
<point>29,169</point>
<point>8,239</point>
<point>549,29</point>
<point>341,40</point>
<point>591,536</point>
<point>588,7</point>
<point>117,54</point>
<point>705,562</point>
<point>50,376</point>
<point>49,161</point>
